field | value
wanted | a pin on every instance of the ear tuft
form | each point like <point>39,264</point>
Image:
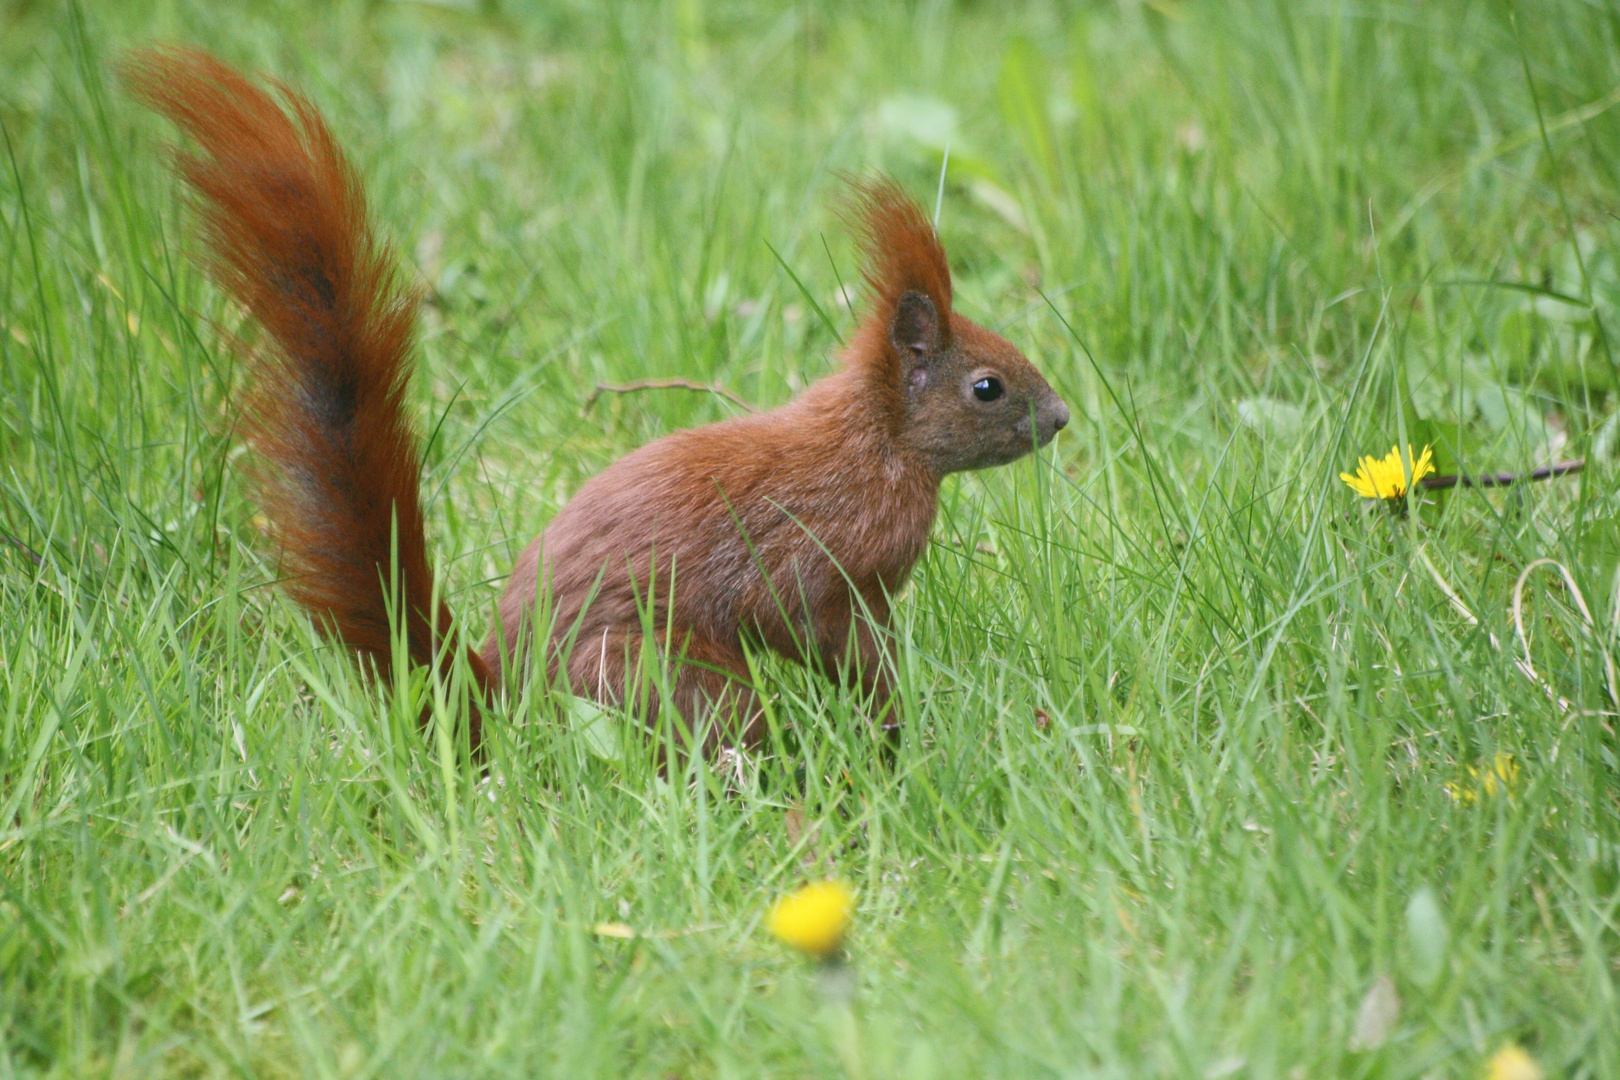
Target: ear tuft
<point>903,254</point>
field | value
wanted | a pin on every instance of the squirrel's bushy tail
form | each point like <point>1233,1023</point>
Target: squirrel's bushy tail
<point>284,221</point>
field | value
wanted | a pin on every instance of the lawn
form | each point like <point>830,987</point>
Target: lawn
<point>1211,768</point>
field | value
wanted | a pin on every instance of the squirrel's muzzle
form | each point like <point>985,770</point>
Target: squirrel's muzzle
<point>1051,417</point>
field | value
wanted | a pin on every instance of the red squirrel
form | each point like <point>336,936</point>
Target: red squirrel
<point>790,529</point>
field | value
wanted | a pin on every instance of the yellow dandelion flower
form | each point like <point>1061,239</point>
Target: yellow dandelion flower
<point>1499,779</point>
<point>815,918</point>
<point>1389,477</point>
<point>1512,1063</point>
<point>1501,776</point>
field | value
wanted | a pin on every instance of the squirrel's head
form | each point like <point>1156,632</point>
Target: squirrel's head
<point>958,395</point>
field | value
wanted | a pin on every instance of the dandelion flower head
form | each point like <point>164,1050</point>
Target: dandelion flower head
<point>1389,477</point>
<point>1499,778</point>
<point>815,918</point>
<point>1512,1063</point>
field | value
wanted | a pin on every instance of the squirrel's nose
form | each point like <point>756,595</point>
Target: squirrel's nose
<point>1060,418</point>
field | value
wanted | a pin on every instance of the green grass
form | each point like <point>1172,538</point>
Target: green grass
<point>1247,243</point>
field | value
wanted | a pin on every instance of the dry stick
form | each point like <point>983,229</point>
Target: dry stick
<point>666,384</point>
<point>1502,479</point>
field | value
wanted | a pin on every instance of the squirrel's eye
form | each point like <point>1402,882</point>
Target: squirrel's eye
<point>987,389</point>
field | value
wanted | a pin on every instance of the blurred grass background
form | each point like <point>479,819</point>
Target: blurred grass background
<point>1193,778</point>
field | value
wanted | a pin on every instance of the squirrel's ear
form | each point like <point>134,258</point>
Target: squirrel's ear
<point>915,329</point>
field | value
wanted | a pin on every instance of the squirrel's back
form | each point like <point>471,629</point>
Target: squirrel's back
<point>735,526</point>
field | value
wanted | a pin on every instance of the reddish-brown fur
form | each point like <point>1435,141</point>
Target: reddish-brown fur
<point>284,219</point>
<point>790,530</point>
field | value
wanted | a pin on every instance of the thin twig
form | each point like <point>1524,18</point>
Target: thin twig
<point>666,384</point>
<point>1502,479</point>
